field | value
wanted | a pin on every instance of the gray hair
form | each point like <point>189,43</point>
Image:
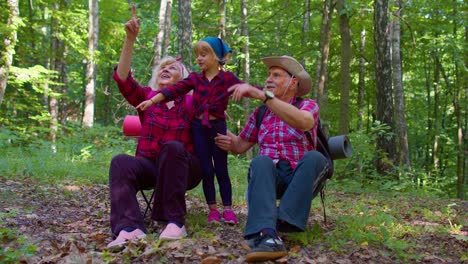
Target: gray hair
<point>153,82</point>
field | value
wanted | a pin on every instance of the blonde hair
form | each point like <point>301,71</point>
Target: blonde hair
<point>167,60</point>
<point>203,46</point>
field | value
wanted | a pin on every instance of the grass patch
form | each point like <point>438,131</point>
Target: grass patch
<point>238,168</point>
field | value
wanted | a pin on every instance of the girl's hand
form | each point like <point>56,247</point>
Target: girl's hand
<point>132,27</point>
<point>144,105</point>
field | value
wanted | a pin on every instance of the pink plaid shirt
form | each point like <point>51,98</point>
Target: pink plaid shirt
<point>278,140</point>
<point>159,124</point>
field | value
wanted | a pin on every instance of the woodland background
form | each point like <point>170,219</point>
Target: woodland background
<point>391,74</point>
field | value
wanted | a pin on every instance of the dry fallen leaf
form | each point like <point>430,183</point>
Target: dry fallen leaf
<point>295,249</point>
<point>211,260</point>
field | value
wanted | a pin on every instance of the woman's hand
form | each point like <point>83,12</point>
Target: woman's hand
<point>132,27</point>
<point>144,105</point>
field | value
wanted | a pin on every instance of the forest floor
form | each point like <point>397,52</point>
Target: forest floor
<point>70,224</point>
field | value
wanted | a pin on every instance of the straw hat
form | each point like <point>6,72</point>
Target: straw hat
<point>292,66</point>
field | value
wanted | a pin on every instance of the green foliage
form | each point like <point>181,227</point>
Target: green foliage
<point>432,36</point>
<point>364,229</point>
<point>22,112</point>
<point>80,156</point>
<point>316,233</point>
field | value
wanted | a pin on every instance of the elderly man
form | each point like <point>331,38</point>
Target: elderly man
<point>287,168</point>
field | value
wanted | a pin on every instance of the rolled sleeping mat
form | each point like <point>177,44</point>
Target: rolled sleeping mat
<point>131,126</point>
<point>340,147</point>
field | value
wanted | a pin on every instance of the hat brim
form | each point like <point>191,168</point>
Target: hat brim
<point>292,66</point>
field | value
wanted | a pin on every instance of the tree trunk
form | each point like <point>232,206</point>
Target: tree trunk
<point>167,28</point>
<point>246,65</point>
<point>159,40</point>
<point>185,32</point>
<point>435,115</point>
<point>401,126</point>
<point>305,28</point>
<point>457,102</point>
<point>383,80</point>
<point>64,89</point>
<point>427,85</point>
<point>55,46</point>
<point>361,83</point>
<point>345,77</point>
<point>222,19</point>
<point>9,42</point>
<point>462,179</point>
<point>321,73</point>
<point>90,93</point>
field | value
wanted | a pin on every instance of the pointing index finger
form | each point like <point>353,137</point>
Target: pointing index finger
<point>133,11</point>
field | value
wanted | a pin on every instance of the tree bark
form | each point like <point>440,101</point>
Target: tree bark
<point>345,77</point>
<point>321,73</point>
<point>167,29</point>
<point>63,105</point>
<point>222,19</point>
<point>6,56</point>
<point>435,115</point>
<point>361,83</point>
<point>55,46</point>
<point>402,128</point>
<point>159,40</point>
<point>429,133</point>
<point>90,93</point>
<point>383,80</point>
<point>305,28</point>
<point>246,66</point>
<point>464,131</point>
<point>185,32</point>
<point>457,102</point>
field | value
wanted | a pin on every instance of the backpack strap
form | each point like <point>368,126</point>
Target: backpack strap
<point>260,115</point>
<point>307,133</point>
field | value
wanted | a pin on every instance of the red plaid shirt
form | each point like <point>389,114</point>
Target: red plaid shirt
<point>278,140</point>
<point>209,98</point>
<point>159,124</point>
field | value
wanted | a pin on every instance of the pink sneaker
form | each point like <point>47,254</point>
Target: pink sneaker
<point>229,217</point>
<point>213,217</point>
<point>124,237</point>
<point>173,232</point>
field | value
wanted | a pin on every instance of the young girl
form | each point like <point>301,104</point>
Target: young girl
<point>210,100</point>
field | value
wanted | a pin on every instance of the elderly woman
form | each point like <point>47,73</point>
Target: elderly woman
<point>164,157</point>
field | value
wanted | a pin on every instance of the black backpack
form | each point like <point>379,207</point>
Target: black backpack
<point>322,147</point>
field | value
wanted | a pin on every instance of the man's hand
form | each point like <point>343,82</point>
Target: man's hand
<point>245,90</point>
<point>224,142</point>
<point>144,105</point>
<point>132,27</point>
